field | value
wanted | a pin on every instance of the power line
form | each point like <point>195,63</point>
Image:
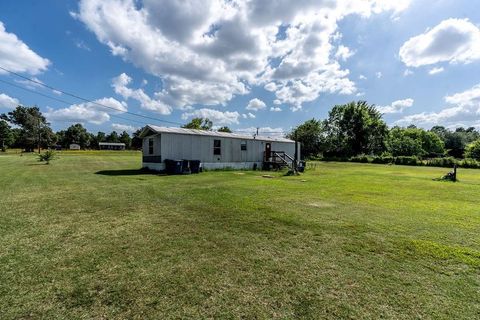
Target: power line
<point>93,102</point>
<point>86,100</point>
<point>64,101</point>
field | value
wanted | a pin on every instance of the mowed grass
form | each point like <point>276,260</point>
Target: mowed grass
<point>90,237</point>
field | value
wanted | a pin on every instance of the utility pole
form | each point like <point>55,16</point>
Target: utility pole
<point>296,152</point>
<point>39,134</point>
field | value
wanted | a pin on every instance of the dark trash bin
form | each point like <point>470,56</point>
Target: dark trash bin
<point>301,166</point>
<point>174,166</point>
<point>186,166</point>
<point>195,166</point>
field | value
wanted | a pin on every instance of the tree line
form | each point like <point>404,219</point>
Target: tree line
<point>350,130</point>
<point>31,131</point>
<point>357,128</point>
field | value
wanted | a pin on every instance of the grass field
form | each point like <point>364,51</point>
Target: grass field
<point>89,236</point>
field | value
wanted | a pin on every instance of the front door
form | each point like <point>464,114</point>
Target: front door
<point>268,151</point>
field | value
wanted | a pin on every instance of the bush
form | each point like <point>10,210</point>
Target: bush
<point>447,162</point>
<point>47,156</point>
<point>408,161</point>
<point>383,160</point>
<point>335,159</point>
<point>361,159</point>
<point>469,164</point>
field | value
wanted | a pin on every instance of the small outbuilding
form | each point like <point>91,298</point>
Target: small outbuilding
<point>111,146</point>
<point>215,150</point>
<point>74,146</point>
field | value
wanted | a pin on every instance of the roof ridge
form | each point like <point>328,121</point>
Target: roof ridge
<point>160,129</point>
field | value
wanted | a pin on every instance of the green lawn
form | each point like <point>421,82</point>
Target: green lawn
<point>88,236</point>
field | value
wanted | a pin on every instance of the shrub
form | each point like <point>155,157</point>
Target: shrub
<point>382,159</point>
<point>47,156</point>
<point>447,162</point>
<point>469,164</point>
<point>335,159</point>
<point>361,159</point>
<point>473,150</point>
<point>407,161</point>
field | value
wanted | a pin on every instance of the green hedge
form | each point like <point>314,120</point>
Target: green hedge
<point>447,162</point>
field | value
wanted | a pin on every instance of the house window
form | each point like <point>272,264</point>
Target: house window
<point>243,146</point>
<point>217,147</point>
<point>150,146</point>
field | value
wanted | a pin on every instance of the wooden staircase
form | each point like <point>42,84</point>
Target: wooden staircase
<point>278,160</point>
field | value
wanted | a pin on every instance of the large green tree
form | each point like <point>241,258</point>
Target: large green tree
<point>456,141</point>
<point>125,138</point>
<point>136,140</point>
<point>6,135</point>
<point>77,134</point>
<point>35,130</point>
<point>61,139</point>
<point>310,134</point>
<point>112,137</point>
<point>199,124</point>
<point>355,128</point>
<point>414,141</point>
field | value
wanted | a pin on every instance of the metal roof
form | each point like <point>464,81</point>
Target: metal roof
<point>157,129</point>
<point>111,144</point>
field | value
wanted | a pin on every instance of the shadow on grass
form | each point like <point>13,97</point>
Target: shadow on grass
<point>127,172</point>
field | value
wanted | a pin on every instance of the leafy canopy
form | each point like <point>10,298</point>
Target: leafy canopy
<point>35,131</point>
<point>199,124</point>
<point>414,141</point>
<point>224,129</point>
<point>310,136</point>
<point>355,128</point>
<point>473,150</point>
<point>6,135</point>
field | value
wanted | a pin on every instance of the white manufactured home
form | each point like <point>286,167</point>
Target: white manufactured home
<point>215,150</point>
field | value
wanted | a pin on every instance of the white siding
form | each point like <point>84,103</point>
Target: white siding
<point>200,147</point>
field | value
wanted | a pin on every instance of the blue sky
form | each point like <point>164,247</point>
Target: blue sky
<point>243,64</point>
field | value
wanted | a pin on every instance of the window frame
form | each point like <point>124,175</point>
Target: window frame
<point>217,150</point>
<point>150,146</point>
<point>243,145</point>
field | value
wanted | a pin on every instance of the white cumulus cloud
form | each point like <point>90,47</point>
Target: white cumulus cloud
<point>120,86</point>
<point>216,116</point>
<point>343,53</point>
<point>16,56</point>
<point>209,51</point>
<point>8,102</point>
<point>434,71</point>
<point>396,106</point>
<point>96,112</point>
<point>256,104</point>
<point>124,127</point>
<point>453,40</point>
<point>464,111</point>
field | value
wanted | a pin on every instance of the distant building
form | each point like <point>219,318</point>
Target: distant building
<point>74,146</point>
<point>111,146</point>
<point>214,149</point>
